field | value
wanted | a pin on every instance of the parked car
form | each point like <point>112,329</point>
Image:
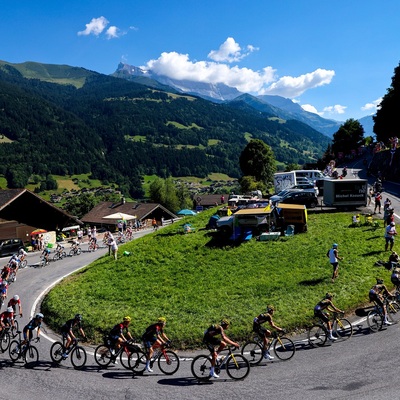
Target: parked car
<point>307,187</point>
<point>10,246</point>
<point>309,199</point>
<point>276,197</point>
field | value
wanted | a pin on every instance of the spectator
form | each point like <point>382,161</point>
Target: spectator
<point>378,199</point>
<point>390,233</point>
<point>154,224</point>
<point>114,247</point>
<point>334,260</point>
<point>79,233</point>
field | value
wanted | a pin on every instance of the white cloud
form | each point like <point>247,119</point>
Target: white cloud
<point>326,111</point>
<point>179,66</point>
<point>310,108</point>
<point>95,27</point>
<point>372,106</point>
<point>230,51</point>
<point>289,86</point>
<point>112,32</point>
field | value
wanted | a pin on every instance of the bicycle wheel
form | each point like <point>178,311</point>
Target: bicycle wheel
<point>78,357</point>
<point>237,366</point>
<point>56,256</point>
<point>31,356</point>
<point>102,356</point>
<point>342,328</point>
<point>137,361</point>
<point>78,251</point>
<point>317,335</point>
<point>253,351</point>
<point>393,310</point>
<point>200,367</point>
<point>71,253</point>
<point>284,348</point>
<point>14,329</point>
<point>56,352</point>
<point>124,359</point>
<point>5,340</point>
<point>14,350</point>
<point>168,362</point>
<point>63,254</point>
<point>374,321</point>
<point>90,248</point>
<point>23,263</point>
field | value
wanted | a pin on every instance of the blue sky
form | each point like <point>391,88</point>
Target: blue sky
<point>336,58</point>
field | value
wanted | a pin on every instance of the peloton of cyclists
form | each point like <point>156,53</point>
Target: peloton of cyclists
<point>211,341</point>
<point>263,332</point>
<point>320,311</point>
<point>68,334</point>
<point>154,337</point>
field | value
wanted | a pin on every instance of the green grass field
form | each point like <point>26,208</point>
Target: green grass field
<point>195,279</point>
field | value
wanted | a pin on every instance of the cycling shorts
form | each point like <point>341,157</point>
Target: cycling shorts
<point>149,341</point>
<point>258,328</point>
<point>322,315</point>
<point>211,342</point>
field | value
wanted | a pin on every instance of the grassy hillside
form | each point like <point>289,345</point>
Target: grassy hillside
<point>196,279</point>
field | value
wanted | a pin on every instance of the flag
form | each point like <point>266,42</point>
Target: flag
<point>268,208</point>
<point>229,212</point>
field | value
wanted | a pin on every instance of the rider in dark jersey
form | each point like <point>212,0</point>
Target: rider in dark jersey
<point>67,331</point>
<point>263,332</point>
<point>117,335</point>
<point>376,294</point>
<point>211,341</point>
<point>154,337</point>
<point>320,311</point>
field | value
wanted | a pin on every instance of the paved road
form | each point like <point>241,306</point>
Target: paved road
<point>364,367</point>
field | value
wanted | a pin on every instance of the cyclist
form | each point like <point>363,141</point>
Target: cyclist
<point>13,263</point>
<point>263,332</point>
<point>211,341</point>
<point>376,295</point>
<point>117,336</point>
<point>3,291</point>
<point>46,254</point>
<point>68,334</point>
<point>320,311</point>
<point>5,272</point>
<point>14,302</point>
<point>7,318</point>
<point>22,254</point>
<point>395,278</point>
<point>154,337</point>
<point>34,323</point>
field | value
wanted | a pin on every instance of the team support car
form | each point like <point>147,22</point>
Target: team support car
<point>309,199</point>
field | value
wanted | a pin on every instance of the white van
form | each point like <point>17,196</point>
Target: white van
<point>311,174</point>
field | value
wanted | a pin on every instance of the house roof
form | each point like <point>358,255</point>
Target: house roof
<point>26,207</point>
<point>141,210</point>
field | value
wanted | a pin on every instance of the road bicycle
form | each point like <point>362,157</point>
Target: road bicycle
<point>27,351</point>
<point>6,334</point>
<point>167,360</point>
<point>60,253</point>
<point>341,329</point>
<point>77,353</point>
<point>93,246</point>
<point>75,251</point>
<point>284,348</point>
<point>43,261</point>
<point>236,365</point>
<point>104,354</point>
<point>376,318</point>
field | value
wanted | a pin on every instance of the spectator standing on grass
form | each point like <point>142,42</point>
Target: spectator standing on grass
<point>113,246</point>
<point>334,258</point>
<point>390,233</point>
<point>378,199</point>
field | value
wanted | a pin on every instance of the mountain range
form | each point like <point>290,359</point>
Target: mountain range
<point>220,93</point>
<point>63,120</point>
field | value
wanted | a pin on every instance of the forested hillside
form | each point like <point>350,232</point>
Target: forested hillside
<point>121,130</point>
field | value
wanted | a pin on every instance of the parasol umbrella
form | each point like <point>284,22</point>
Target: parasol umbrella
<point>38,232</point>
<point>186,212</point>
<point>120,215</point>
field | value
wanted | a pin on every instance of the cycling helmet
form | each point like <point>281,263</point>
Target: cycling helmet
<point>16,297</point>
<point>379,281</point>
<point>224,322</point>
<point>162,319</point>
<point>10,309</point>
<point>334,245</point>
<point>39,315</point>
<point>270,308</point>
<point>127,319</point>
<point>392,223</point>
<point>78,317</point>
<point>328,295</point>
